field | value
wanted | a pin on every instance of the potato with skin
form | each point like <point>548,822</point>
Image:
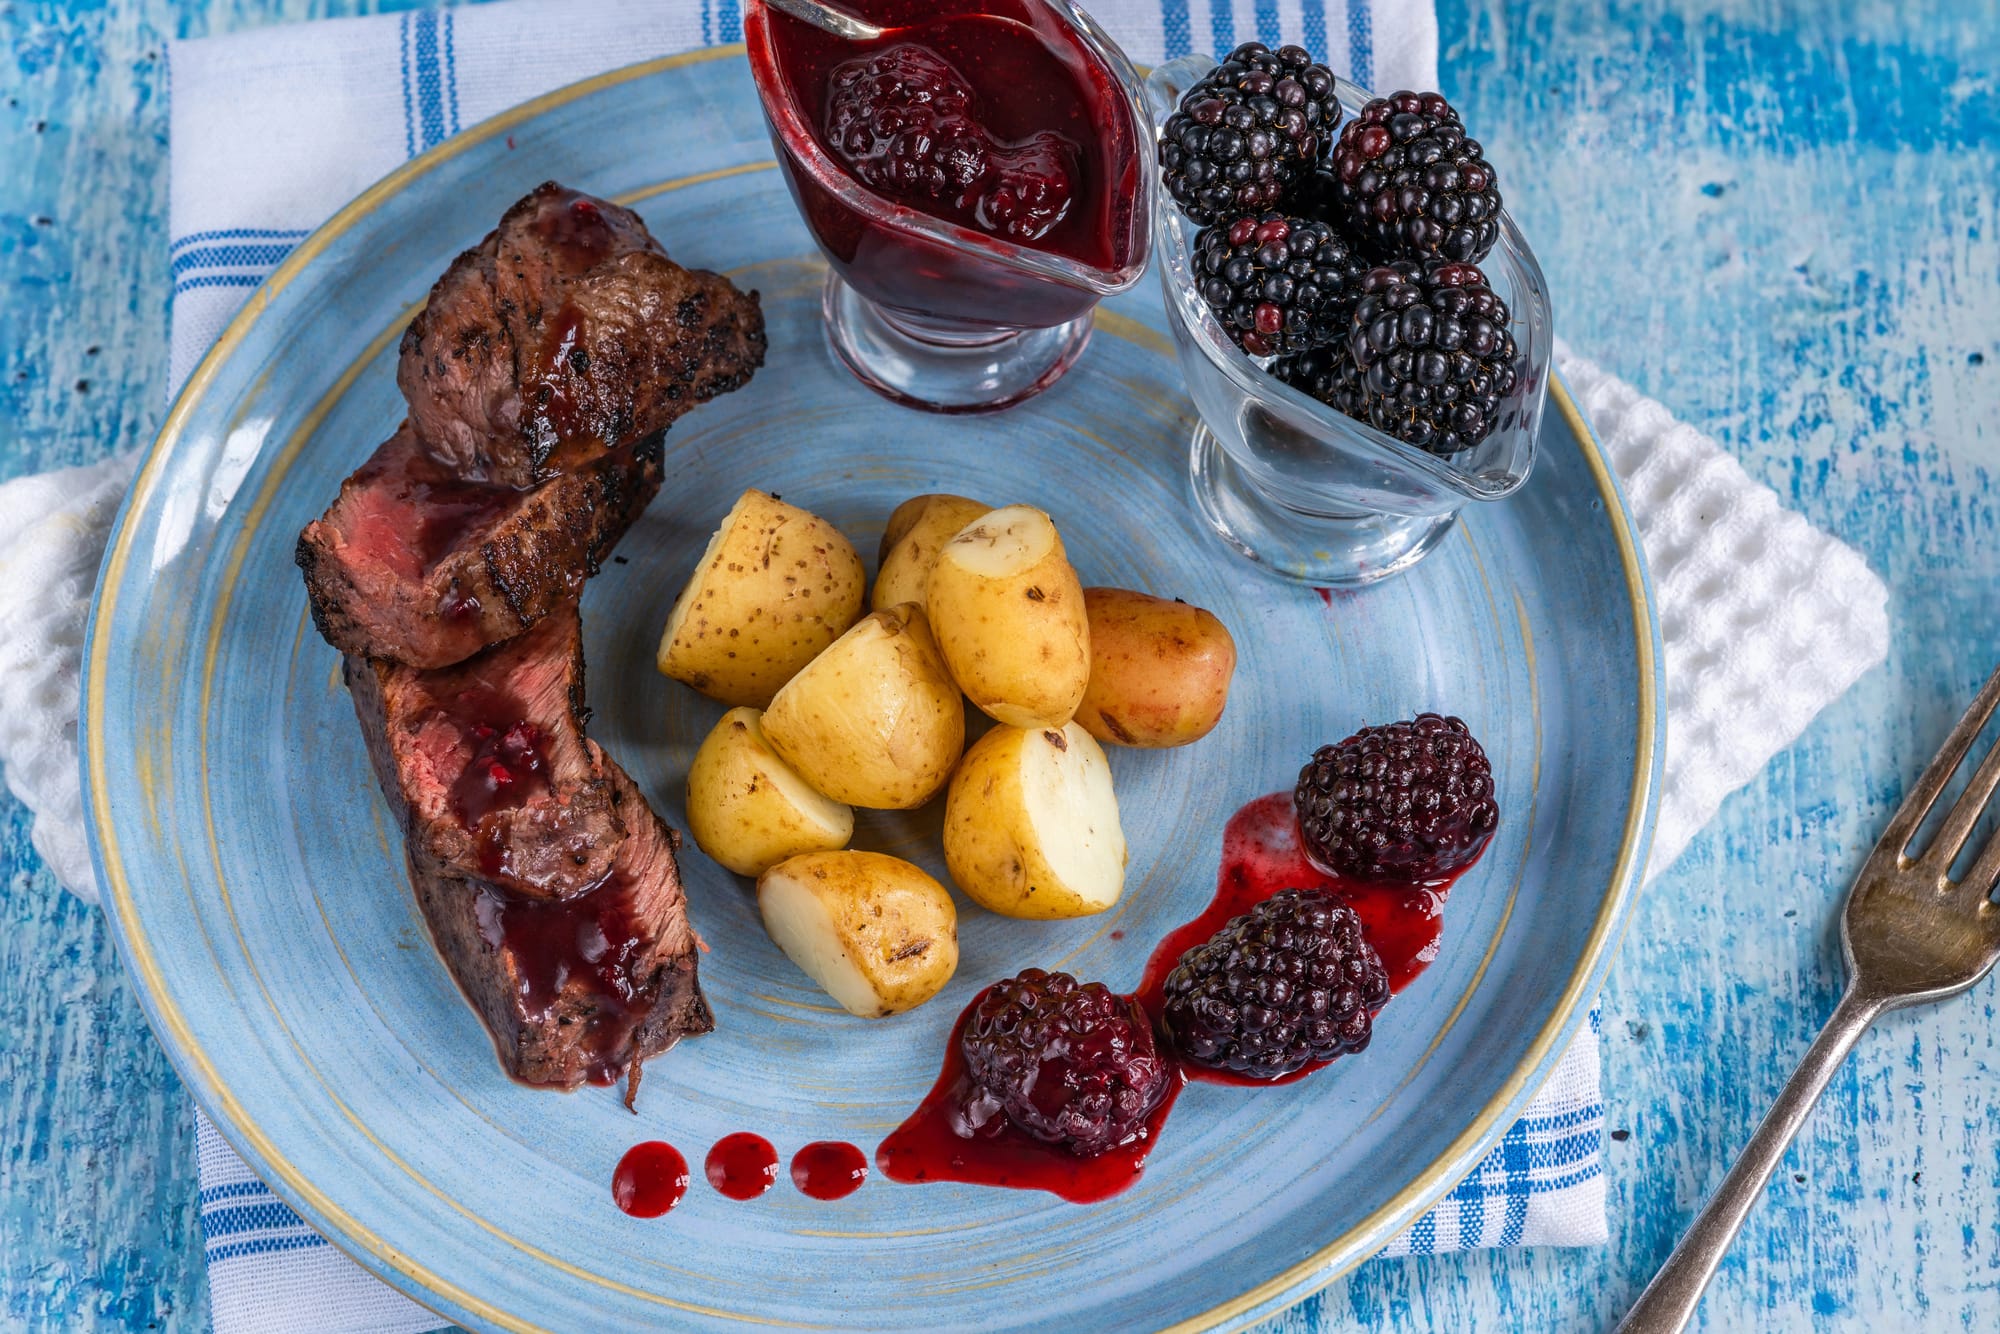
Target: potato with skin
<point>901,520</point>
<point>1010,618</point>
<point>1159,669</point>
<point>748,809</point>
<point>875,932</point>
<point>906,563</point>
<point>874,720</point>
<point>1031,824</point>
<point>775,586</point>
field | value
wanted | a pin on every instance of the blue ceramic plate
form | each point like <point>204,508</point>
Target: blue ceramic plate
<point>257,889</point>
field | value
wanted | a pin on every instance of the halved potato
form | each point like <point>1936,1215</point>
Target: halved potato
<point>775,586</point>
<point>1010,618</point>
<point>1159,669</point>
<point>875,720</point>
<point>876,932</point>
<point>1031,824</point>
<point>922,527</point>
<point>750,810</point>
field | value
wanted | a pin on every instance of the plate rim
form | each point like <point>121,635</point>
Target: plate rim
<point>1329,1262</point>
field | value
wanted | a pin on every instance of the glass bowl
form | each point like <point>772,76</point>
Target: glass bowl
<point>933,314</point>
<point>1304,491</point>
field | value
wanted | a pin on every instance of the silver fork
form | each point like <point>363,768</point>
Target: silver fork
<point>1911,935</point>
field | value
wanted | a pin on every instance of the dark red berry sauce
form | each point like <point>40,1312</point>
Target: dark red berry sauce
<point>829,1169</point>
<point>576,230</point>
<point>929,1147</point>
<point>742,1166</point>
<point>1043,149</point>
<point>582,949</point>
<point>506,767</point>
<point>1261,856</point>
<point>651,1178</point>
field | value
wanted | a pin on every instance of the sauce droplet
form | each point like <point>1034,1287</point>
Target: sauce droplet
<point>651,1178</point>
<point>829,1169</point>
<point>742,1166</point>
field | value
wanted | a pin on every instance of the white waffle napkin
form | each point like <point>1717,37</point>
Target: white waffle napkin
<point>1744,585</point>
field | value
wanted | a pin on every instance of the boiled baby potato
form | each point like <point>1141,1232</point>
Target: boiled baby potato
<point>750,810</point>
<point>921,526</point>
<point>874,720</point>
<point>1009,615</point>
<point>1031,824</point>
<point>876,932</point>
<point>775,586</point>
<point>1159,669</point>
<point>901,519</point>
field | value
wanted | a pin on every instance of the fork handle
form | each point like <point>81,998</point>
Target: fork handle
<point>1668,1302</point>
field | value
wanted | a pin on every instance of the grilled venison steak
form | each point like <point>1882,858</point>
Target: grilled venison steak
<point>416,566</point>
<point>549,885</point>
<point>549,361</point>
<point>567,332</point>
<point>488,767</point>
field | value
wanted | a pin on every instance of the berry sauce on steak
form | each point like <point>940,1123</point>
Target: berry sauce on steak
<point>565,333</point>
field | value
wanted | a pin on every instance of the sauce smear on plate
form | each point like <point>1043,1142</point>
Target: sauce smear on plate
<point>1262,855</point>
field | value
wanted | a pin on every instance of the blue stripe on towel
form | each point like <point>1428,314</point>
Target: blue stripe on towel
<point>1175,37</point>
<point>237,1250</point>
<point>1567,1181</point>
<point>1471,1197</point>
<point>237,233</point>
<point>1267,24</point>
<point>219,280</point>
<point>1312,17</point>
<point>729,22</point>
<point>234,1190</point>
<point>451,68</point>
<point>1361,42</point>
<point>1561,1122</point>
<point>428,78</point>
<point>1519,1185</point>
<point>1222,26</point>
<point>264,257</point>
<point>232,1220</point>
<point>409,113</point>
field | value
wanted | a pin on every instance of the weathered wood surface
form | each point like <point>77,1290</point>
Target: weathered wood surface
<point>1780,218</point>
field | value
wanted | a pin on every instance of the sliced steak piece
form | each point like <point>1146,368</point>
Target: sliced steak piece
<point>487,765</point>
<point>576,989</point>
<point>412,565</point>
<point>566,332</point>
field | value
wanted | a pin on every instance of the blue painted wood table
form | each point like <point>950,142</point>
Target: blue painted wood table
<point>1777,216</point>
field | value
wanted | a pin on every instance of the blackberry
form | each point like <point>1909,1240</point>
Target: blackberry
<point>1071,1063</point>
<point>1408,182</point>
<point>902,122</point>
<point>1246,131</point>
<point>1290,982</point>
<point>1326,373</point>
<point>1433,354</point>
<point>1277,284</point>
<point>1408,801</point>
